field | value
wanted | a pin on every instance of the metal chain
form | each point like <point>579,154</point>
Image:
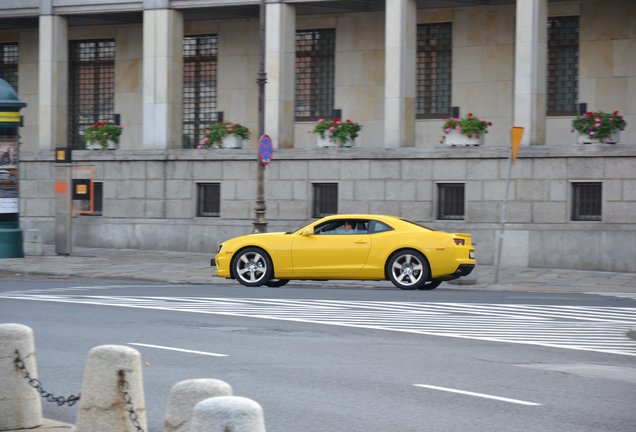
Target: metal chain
<point>36,384</point>
<point>129,407</point>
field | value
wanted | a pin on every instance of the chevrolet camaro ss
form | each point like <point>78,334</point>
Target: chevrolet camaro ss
<point>351,246</point>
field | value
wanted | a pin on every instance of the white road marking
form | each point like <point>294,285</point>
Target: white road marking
<point>178,349</point>
<point>481,395</point>
<point>584,328</point>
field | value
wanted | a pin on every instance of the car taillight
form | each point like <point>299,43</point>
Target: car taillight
<point>459,241</point>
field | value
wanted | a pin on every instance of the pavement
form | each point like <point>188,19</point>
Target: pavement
<point>170,267</point>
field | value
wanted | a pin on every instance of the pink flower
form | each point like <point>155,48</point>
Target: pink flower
<point>458,129</point>
<point>204,140</point>
<point>321,120</point>
<point>447,130</point>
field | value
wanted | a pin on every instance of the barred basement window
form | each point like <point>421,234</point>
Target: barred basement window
<point>450,201</point>
<point>199,86</point>
<point>209,199</point>
<point>91,86</point>
<point>9,63</point>
<point>315,71</point>
<point>563,65</point>
<point>434,62</point>
<point>587,201</point>
<point>325,199</point>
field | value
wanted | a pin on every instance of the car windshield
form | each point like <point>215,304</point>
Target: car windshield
<point>416,224</point>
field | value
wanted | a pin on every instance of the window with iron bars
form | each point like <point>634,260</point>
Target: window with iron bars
<point>208,199</point>
<point>325,199</point>
<point>450,201</point>
<point>9,56</point>
<point>199,86</point>
<point>433,74</point>
<point>563,65</point>
<point>587,201</point>
<point>91,86</point>
<point>315,72</point>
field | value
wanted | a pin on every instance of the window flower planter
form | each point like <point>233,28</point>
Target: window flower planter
<point>232,142</point>
<point>454,138</point>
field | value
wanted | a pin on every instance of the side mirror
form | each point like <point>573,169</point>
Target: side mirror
<point>308,232</point>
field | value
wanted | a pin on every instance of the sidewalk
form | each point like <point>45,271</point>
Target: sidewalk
<point>169,267</point>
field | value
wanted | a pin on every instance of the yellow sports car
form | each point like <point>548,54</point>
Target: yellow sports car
<point>351,246</point>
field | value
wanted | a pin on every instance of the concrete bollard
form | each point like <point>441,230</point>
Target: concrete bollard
<point>103,406</point>
<point>20,405</point>
<point>185,395</point>
<point>227,414</point>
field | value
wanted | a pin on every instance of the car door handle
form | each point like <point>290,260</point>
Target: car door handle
<point>361,242</point>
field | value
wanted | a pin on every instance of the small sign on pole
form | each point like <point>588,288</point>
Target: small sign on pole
<point>265,149</point>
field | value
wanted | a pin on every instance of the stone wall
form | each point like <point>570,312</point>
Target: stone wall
<point>150,197</point>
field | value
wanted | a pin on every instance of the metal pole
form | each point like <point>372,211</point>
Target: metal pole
<point>260,222</point>
<point>504,209</point>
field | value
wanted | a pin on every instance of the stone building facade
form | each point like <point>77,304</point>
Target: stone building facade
<point>500,69</point>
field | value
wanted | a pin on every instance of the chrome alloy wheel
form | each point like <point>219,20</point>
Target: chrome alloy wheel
<point>252,267</point>
<point>408,269</point>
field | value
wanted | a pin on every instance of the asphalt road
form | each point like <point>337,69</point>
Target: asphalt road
<point>342,360</point>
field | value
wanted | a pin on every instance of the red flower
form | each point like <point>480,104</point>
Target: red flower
<point>470,114</point>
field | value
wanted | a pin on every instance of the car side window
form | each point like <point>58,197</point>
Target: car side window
<point>342,226</point>
<point>378,227</point>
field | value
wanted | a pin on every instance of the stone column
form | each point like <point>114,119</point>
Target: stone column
<point>185,395</point>
<point>399,80</point>
<point>280,61</point>
<point>227,414</point>
<point>53,82</point>
<point>163,78</point>
<point>531,53</point>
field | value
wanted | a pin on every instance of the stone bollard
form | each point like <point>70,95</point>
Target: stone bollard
<point>227,414</point>
<point>185,395</point>
<point>20,405</point>
<point>103,406</point>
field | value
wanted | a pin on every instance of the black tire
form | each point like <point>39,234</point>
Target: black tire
<point>430,285</point>
<point>275,283</point>
<point>252,267</point>
<point>408,270</point>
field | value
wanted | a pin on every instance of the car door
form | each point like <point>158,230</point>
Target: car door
<point>330,251</point>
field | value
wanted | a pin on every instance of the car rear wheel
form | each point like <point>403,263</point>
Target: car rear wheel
<point>429,285</point>
<point>252,267</point>
<point>408,270</point>
<point>275,283</point>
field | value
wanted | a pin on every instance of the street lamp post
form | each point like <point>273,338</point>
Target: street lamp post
<point>260,222</point>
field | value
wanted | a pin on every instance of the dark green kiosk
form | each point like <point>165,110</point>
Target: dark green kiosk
<point>10,121</point>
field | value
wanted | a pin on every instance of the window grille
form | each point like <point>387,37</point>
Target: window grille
<point>315,71</point>
<point>587,200</point>
<point>91,86</point>
<point>208,199</point>
<point>450,201</point>
<point>325,199</point>
<point>563,65</point>
<point>9,63</point>
<point>434,62</point>
<point>199,86</point>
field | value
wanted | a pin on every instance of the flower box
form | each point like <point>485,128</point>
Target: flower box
<point>586,139</point>
<point>96,145</point>
<point>336,133</point>
<point>598,127</point>
<point>454,138</point>
<point>232,142</point>
<point>467,131</point>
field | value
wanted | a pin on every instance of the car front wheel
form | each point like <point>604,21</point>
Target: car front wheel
<point>252,267</point>
<point>408,270</point>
